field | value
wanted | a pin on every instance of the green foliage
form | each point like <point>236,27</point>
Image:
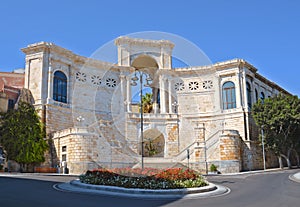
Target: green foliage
<point>279,117</point>
<point>213,168</point>
<point>144,178</point>
<point>150,147</point>
<point>147,102</point>
<point>22,135</point>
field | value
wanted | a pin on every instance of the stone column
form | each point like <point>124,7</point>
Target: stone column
<point>239,91</point>
<point>50,81</point>
<point>170,95</point>
<point>230,151</point>
<point>162,95</point>
<point>128,93</point>
<point>244,90</point>
<point>123,96</point>
<point>200,147</point>
<point>27,73</point>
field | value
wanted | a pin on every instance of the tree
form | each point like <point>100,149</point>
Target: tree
<point>147,102</point>
<point>22,136</point>
<point>279,117</point>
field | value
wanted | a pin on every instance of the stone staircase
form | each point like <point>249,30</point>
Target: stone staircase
<point>180,160</point>
<point>160,163</point>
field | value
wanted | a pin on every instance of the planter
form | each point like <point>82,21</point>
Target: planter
<point>45,170</point>
<point>213,173</point>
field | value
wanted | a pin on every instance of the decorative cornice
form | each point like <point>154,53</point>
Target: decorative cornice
<point>271,84</point>
<point>51,48</point>
<point>58,52</point>
<point>144,42</point>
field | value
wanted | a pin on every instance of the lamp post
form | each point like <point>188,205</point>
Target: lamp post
<point>133,83</point>
<point>205,152</point>
<point>175,105</point>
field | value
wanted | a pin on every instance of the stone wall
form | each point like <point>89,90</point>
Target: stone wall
<point>3,102</point>
<point>253,156</point>
<point>15,80</point>
<point>10,86</point>
<point>84,150</point>
<point>58,117</point>
<point>172,140</point>
<point>230,152</point>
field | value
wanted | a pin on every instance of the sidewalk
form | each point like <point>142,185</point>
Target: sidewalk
<point>295,177</point>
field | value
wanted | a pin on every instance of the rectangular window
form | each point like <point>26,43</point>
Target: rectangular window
<point>64,149</point>
<point>11,104</point>
<point>64,158</point>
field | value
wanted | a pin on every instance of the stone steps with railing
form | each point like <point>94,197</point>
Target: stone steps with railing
<point>180,159</point>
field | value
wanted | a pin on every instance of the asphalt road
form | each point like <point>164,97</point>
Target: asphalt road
<point>272,189</point>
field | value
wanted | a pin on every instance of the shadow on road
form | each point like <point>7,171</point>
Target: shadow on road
<point>33,192</point>
<point>223,182</point>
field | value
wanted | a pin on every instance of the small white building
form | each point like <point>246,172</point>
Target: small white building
<point>87,107</point>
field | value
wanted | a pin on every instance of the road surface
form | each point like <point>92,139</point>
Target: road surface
<point>270,189</point>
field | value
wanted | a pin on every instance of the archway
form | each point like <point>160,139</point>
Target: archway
<point>148,65</point>
<point>154,143</point>
<point>144,61</point>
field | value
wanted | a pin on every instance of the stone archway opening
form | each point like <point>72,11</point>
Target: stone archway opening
<point>154,143</point>
<point>144,61</point>
<point>149,66</point>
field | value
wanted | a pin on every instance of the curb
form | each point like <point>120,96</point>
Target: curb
<point>184,191</point>
<point>211,190</point>
<point>295,177</point>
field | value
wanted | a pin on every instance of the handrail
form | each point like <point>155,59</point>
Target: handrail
<point>208,141</point>
<point>178,156</point>
<point>211,136</point>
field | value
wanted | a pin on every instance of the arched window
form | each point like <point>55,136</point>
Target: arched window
<point>256,95</point>
<point>262,97</point>
<point>228,92</point>
<point>249,99</point>
<point>60,87</point>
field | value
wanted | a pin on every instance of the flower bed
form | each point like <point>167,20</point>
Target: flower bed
<point>146,178</point>
<point>45,170</point>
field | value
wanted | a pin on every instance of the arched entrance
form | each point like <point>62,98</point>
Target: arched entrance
<point>148,65</point>
<point>154,143</point>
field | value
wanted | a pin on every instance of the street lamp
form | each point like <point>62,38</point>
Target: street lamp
<point>134,83</point>
<point>175,105</point>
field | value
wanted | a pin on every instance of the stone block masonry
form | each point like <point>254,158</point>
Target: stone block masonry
<point>100,94</point>
<point>230,152</point>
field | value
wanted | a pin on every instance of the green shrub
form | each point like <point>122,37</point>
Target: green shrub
<point>130,178</point>
<point>213,168</point>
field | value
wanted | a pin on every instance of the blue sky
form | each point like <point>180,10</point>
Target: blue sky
<point>265,33</point>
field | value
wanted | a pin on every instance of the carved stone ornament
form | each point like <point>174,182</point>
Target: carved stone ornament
<point>80,76</point>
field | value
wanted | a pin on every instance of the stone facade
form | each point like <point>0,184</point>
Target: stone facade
<point>201,110</point>
<point>10,86</point>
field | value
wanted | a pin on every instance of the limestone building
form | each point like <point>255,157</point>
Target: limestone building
<point>10,87</point>
<point>90,115</point>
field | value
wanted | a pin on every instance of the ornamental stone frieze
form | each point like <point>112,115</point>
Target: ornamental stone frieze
<point>96,80</point>
<point>193,86</point>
